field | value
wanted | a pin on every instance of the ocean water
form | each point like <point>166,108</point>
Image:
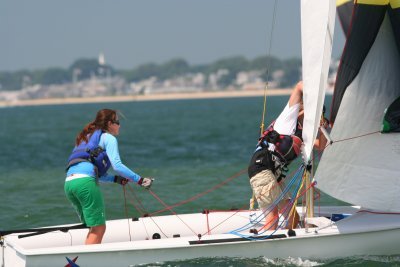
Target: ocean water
<point>188,146</point>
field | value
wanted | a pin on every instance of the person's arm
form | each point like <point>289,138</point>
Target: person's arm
<point>111,146</point>
<point>287,120</point>
<point>297,94</point>
<point>321,141</point>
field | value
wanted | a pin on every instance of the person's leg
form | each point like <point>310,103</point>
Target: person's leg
<point>287,209</point>
<point>69,192</point>
<point>95,235</point>
<point>291,216</point>
<point>94,212</point>
<point>91,200</point>
<point>271,218</point>
<point>267,191</point>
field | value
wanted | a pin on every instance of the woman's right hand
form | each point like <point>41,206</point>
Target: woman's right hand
<point>146,182</point>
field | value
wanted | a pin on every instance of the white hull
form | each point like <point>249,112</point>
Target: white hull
<point>361,234</point>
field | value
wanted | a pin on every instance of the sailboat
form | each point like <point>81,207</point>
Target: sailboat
<point>359,166</point>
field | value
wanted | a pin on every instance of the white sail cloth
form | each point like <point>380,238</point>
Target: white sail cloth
<point>365,170</point>
<point>317,27</point>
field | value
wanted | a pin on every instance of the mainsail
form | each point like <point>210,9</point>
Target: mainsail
<point>317,26</point>
<point>362,166</point>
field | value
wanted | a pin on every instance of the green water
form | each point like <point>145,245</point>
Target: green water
<point>188,146</point>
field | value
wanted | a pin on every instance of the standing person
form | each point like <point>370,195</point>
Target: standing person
<point>277,147</point>
<point>96,150</point>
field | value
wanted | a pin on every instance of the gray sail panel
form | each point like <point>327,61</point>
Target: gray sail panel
<point>365,170</point>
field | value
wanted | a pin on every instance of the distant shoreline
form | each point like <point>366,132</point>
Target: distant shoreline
<point>150,97</point>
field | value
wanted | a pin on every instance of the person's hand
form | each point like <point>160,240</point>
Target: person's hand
<point>146,182</point>
<point>120,180</point>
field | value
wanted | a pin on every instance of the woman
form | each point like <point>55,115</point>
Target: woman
<point>95,152</point>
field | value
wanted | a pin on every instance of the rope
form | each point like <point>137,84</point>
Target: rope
<point>223,221</point>
<point>271,207</point>
<point>268,67</point>
<point>126,213</point>
<point>291,211</point>
<point>200,194</point>
<point>143,214</point>
<point>298,196</point>
<point>262,125</point>
<point>140,209</point>
<point>163,203</point>
<point>354,137</point>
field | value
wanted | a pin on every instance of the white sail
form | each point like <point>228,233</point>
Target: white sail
<point>317,26</point>
<point>365,170</point>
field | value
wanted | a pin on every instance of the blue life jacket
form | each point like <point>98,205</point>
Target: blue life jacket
<point>91,152</point>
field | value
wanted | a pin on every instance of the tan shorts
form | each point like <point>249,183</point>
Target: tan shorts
<point>265,187</point>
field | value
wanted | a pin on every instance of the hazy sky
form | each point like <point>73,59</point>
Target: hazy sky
<point>53,33</point>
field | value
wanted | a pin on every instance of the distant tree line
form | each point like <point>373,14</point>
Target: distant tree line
<point>85,68</point>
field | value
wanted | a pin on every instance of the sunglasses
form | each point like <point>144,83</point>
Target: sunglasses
<point>115,122</point>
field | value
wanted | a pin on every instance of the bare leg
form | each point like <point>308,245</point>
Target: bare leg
<point>294,218</point>
<point>271,219</point>
<point>95,234</point>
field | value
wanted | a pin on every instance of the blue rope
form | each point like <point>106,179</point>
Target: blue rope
<point>259,218</point>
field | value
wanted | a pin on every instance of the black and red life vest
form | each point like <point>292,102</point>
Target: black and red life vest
<point>286,149</point>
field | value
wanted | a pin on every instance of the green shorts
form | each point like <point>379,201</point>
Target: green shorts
<point>86,197</point>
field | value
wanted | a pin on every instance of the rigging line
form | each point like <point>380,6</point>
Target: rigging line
<point>159,228</point>
<point>200,194</point>
<point>291,213</point>
<point>268,67</point>
<point>260,233</point>
<point>252,200</point>
<point>208,224</point>
<point>145,228</point>
<point>126,213</point>
<point>291,174</point>
<point>258,220</point>
<point>223,221</point>
<point>286,190</point>
<point>319,154</point>
<point>141,209</point>
<point>354,137</point>
<point>302,193</point>
<point>290,203</point>
<point>143,214</point>
<point>274,203</point>
<point>173,212</point>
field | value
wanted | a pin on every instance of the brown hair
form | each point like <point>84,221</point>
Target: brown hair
<point>101,122</point>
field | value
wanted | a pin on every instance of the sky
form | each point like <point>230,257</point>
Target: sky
<point>54,33</point>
